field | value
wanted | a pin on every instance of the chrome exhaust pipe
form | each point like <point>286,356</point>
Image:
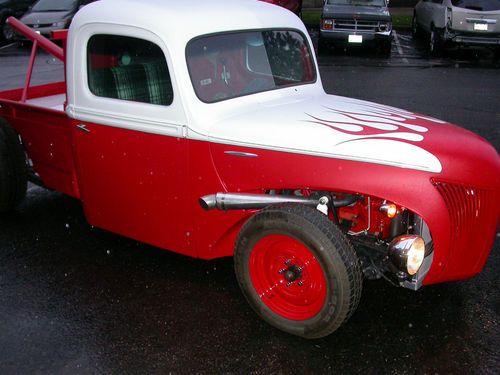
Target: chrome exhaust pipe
<point>241,201</point>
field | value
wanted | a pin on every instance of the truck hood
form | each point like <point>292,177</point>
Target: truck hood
<point>346,11</point>
<point>44,18</point>
<point>350,129</point>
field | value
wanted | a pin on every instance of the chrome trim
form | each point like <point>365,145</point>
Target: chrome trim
<point>241,201</point>
<point>416,281</point>
<point>238,153</point>
<point>83,127</point>
<point>481,20</point>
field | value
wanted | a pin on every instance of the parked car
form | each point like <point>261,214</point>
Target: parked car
<point>292,5</point>
<point>51,15</point>
<point>457,22</point>
<point>219,140</point>
<point>9,8</point>
<point>356,22</point>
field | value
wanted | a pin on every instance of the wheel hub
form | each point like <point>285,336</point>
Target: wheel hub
<point>292,273</point>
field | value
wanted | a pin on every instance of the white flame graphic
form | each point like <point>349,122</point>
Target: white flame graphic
<point>370,120</point>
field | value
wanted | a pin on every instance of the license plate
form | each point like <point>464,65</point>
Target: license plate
<point>481,26</point>
<point>355,39</point>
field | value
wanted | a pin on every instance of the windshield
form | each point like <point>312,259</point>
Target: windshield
<point>229,65</point>
<point>364,3</point>
<point>481,5</point>
<point>54,5</point>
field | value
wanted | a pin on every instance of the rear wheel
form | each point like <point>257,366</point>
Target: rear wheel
<point>13,171</point>
<point>415,29</point>
<point>297,270</point>
<point>435,43</point>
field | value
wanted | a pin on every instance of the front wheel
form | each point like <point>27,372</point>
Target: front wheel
<point>385,47</point>
<point>6,32</point>
<point>297,270</point>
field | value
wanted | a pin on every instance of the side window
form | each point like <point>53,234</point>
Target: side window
<point>127,68</point>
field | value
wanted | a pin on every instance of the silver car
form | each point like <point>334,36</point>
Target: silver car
<point>457,22</point>
<point>51,15</point>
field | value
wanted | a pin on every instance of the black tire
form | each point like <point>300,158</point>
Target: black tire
<point>415,28</point>
<point>296,232</point>
<point>435,43</point>
<point>7,34</point>
<point>322,46</point>
<point>496,54</point>
<point>13,171</point>
<point>385,47</point>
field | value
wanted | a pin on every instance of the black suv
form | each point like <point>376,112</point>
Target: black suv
<point>9,8</point>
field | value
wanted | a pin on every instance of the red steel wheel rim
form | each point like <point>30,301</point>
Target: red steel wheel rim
<point>287,277</point>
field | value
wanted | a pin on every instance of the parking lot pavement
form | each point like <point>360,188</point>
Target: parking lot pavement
<point>408,52</point>
<point>78,300</point>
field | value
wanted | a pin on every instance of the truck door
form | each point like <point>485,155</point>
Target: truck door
<point>129,138</point>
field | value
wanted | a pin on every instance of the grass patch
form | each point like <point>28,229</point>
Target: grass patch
<point>311,19</point>
<point>401,22</point>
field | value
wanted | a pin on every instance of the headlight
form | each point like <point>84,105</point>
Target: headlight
<point>384,26</point>
<point>407,252</point>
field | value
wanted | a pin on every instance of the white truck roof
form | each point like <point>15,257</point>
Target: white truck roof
<point>171,24</point>
<point>181,20</point>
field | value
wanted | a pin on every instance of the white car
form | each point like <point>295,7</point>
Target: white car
<point>458,22</point>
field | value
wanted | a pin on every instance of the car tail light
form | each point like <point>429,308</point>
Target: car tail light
<point>327,24</point>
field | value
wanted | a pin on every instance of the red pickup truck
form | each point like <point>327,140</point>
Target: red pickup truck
<point>207,132</point>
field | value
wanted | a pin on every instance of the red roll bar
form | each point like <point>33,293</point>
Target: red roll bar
<point>38,40</point>
<point>32,35</point>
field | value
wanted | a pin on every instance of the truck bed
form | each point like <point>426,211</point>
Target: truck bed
<point>54,102</point>
<point>45,131</point>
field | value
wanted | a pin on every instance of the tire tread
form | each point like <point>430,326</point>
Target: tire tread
<point>13,171</point>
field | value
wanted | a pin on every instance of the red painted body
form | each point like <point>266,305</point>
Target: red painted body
<point>146,186</point>
<point>292,5</point>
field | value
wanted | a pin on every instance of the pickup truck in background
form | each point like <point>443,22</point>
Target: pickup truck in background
<point>356,22</point>
<point>218,140</point>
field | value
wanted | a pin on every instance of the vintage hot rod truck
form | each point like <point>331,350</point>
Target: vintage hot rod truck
<point>203,128</point>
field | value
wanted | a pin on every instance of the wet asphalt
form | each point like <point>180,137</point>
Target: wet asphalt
<point>78,300</point>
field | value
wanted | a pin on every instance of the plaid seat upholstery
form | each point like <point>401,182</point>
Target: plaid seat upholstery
<point>145,82</point>
<point>131,83</point>
<point>159,85</point>
<point>102,83</point>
